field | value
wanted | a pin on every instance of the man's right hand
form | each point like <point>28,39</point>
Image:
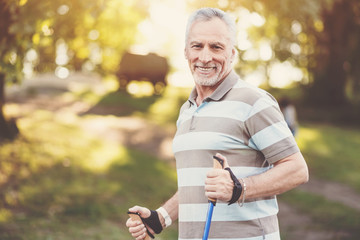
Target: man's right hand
<point>137,228</point>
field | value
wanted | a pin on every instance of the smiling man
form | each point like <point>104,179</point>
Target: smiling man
<point>241,124</point>
<point>209,52</point>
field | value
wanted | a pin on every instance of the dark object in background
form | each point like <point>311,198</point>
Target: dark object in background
<point>150,67</point>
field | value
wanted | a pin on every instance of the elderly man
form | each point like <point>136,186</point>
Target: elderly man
<point>239,123</point>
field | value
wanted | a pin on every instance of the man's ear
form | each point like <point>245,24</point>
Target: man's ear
<point>233,54</point>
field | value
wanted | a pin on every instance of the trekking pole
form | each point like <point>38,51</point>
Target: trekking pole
<point>218,164</point>
<point>136,217</point>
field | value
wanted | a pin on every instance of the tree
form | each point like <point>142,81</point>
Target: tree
<point>337,55</point>
<point>91,33</point>
<point>11,49</point>
<point>271,32</point>
<point>321,38</point>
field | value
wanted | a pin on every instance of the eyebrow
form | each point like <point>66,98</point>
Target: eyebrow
<point>211,43</point>
<point>217,44</point>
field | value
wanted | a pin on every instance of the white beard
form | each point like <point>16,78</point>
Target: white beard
<point>208,81</point>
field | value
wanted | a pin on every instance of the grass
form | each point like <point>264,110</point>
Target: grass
<point>332,152</point>
<point>53,185</point>
<point>127,101</point>
<point>59,182</point>
<point>326,215</point>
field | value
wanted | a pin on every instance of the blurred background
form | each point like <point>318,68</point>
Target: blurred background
<point>90,92</point>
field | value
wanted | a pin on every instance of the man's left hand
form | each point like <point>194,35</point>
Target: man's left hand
<point>218,183</point>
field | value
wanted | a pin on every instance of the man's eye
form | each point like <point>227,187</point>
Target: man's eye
<point>196,46</point>
<point>217,47</point>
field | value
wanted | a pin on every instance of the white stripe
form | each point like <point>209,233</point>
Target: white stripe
<point>185,115</point>
<point>271,236</point>
<point>225,109</point>
<point>262,104</point>
<point>206,140</point>
<point>224,212</point>
<point>191,177</point>
<point>270,135</point>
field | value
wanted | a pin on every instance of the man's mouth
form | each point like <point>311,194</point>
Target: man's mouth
<point>206,69</point>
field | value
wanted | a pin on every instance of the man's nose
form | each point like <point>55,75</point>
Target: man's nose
<point>205,55</point>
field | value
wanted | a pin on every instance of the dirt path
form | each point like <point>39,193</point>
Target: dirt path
<point>333,191</point>
<point>138,133</point>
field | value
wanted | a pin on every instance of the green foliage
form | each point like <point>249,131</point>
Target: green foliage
<point>68,184</point>
<point>96,32</point>
<point>321,38</point>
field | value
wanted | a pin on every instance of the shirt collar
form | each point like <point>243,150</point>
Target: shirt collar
<point>230,80</point>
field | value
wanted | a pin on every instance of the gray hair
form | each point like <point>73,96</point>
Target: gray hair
<point>206,14</point>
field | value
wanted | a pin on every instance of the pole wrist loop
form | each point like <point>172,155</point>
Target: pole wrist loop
<point>237,190</point>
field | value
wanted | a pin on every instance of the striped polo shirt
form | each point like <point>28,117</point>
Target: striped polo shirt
<point>245,124</point>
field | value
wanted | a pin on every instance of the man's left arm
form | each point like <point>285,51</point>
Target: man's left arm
<point>286,174</point>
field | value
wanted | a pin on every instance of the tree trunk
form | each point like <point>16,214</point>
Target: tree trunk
<point>330,74</point>
<point>8,129</point>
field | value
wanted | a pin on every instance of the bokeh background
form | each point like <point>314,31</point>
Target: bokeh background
<point>90,92</point>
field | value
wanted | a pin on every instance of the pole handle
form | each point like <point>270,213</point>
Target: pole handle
<point>218,163</point>
<point>136,217</point>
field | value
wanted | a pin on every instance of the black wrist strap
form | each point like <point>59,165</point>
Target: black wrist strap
<point>153,222</point>
<point>237,190</point>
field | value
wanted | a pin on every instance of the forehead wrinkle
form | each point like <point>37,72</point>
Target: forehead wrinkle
<point>211,43</point>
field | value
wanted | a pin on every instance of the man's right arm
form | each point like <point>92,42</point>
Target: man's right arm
<point>138,230</point>
<point>172,208</point>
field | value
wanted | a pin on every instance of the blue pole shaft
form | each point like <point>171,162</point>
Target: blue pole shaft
<point>219,164</point>
<point>208,220</point>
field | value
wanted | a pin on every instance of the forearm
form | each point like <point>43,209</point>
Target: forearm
<point>285,175</point>
<point>172,208</point>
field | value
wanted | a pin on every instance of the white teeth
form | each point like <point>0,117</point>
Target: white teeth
<point>206,68</point>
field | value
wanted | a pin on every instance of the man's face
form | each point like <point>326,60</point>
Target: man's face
<point>209,51</point>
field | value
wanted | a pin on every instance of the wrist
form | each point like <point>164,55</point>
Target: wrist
<point>164,217</point>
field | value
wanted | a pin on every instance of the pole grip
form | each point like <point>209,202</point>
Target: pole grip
<point>218,163</point>
<point>136,217</point>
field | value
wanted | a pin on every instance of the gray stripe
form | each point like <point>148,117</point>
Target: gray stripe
<point>203,158</point>
<point>283,148</point>
<point>190,195</point>
<point>244,229</point>
<point>225,86</point>
<point>263,119</point>
<point>246,95</point>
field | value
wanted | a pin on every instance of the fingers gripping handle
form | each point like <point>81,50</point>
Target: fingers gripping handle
<point>218,163</point>
<point>136,217</point>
